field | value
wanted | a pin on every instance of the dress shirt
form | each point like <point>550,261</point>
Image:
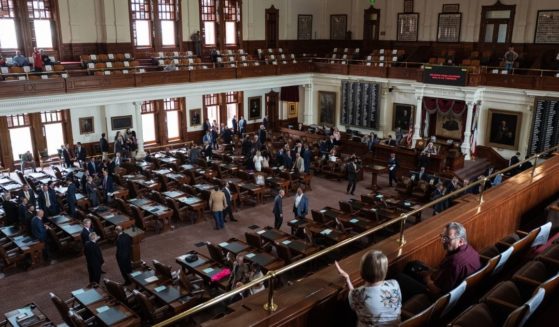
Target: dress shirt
<point>47,199</point>
<point>297,200</point>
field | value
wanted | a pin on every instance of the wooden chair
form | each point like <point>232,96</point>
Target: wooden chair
<point>285,254</point>
<point>63,308</point>
<point>64,244</point>
<point>415,318</point>
<point>162,270</point>
<point>180,214</point>
<point>106,233</point>
<point>11,257</point>
<point>194,286</point>
<point>147,223</point>
<point>148,311</point>
<point>119,292</point>
<point>216,253</point>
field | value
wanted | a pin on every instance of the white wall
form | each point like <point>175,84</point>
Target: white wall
<point>99,123</point>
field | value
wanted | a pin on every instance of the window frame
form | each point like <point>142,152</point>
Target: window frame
<point>220,12</point>
<point>496,22</point>
<point>155,21</point>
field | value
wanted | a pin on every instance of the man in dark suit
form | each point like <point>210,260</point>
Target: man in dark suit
<point>301,205</point>
<point>22,213</point>
<point>104,145</point>
<point>107,184</point>
<point>351,176</point>
<point>94,259</point>
<point>307,157</point>
<point>10,209</point>
<point>124,253</point>
<point>27,193</point>
<point>80,153</point>
<point>392,168</point>
<point>227,136</point>
<point>228,197</point>
<point>420,176</point>
<point>235,125</point>
<point>390,141</point>
<point>86,230</point>
<point>513,161</point>
<point>92,167</point>
<point>71,198</point>
<point>206,126</point>
<point>47,201</point>
<point>67,156</point>
<point>278,209</point>
<point>39,231</point>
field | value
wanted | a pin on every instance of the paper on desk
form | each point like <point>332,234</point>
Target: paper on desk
<point>102,309</point>
<point>151,279</point>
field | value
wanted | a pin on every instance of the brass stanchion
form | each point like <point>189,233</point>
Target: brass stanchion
<point>482,190</point>
<point>270,305</point>
<point>535,163</point>
<point>404,217</point>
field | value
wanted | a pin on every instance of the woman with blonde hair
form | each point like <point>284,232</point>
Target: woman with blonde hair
<point>378,302</point>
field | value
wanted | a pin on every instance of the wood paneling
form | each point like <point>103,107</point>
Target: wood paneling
<point>95,83</point>
<point>10,89</point>
<point>362,70</point>
<point>492,156</point>
<point>498,216</point>
<point>158,78</point>
<point>327,68</point>
<point>72,51</point>
<point>256,71</point>
<point>200,75</point>
<point>298,68</point>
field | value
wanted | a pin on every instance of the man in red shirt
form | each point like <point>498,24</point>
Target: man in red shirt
<point>37,60</point>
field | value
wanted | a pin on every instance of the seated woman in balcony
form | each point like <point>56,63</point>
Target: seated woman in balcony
<point>378,301</point>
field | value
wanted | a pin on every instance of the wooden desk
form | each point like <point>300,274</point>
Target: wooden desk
<point>203,267</point>
<point>407,159</point>
<point>375,170</point>
<point>28,316</point>
<point>256,190</point>
<point>109,311</point>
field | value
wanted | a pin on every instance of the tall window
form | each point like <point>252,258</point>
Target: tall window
<point>8,36</point>
<point>172,111</point>
<point>148,121</point>
<point>231,98</point>
<point>20,134</point>
<point>497,22</point>
<point>211,104</point>
<point>53,130</point>
<point>155,23</point>
<point>140,12</point>
<point>220,23</point>
<point>40,16</point>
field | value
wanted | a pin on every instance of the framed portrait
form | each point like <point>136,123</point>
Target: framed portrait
<point>304,27</point>
<point>403,115</point>
<point>195,117</point>
<point>326,107</point>
<point>448,29</point>
<point>254,108</point>
<point>449,126</point>
<point>503,129</point>
<point>121,122</point>
<point>547,27</point>
<point>338,27</point>
<point>451,7</point>
<point>86,125</point>
<point>408,27</point>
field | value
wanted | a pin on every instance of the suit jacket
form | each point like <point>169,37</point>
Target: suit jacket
<point>66,156</point>
<point>52,199</point>
<point>278,205</point>
<point>303,208</point>
<point>307,156</point>
<point>123,248</point>
<point>80,153</point>
<point>234,123</point>
<point>71,194</point>
<point>351,172</point>
<point>84,235</point>
<point>108,184</point>
<point>262,136</point>
<point>228,195</point>
<point>104,144</point>
<point>392,165</point>
<point>38,229</point>
<point>217,201</point>
<point>423,177</point>
<point>93,255</point>
<point>31,197</point>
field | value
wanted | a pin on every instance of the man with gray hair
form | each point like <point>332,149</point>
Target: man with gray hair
<point>461,260</point>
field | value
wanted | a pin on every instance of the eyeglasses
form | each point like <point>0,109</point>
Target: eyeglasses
<point>447,239</point>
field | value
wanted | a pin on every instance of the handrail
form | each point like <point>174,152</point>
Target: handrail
<point>270,306</point>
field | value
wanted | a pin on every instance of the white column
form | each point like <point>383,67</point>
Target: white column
<point>308,114</point>
<point>139,130</point>
<point>466,146</point>
<point>417,124</point>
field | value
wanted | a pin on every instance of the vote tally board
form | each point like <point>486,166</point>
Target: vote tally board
<point>545,125</point>
<point>360,103</point>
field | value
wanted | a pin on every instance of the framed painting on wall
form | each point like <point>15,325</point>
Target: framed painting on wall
<point>449,27</point>
<point>408,27</point>
<point>338,27</point>
<point>121,122</point>
<point>304,27</point>
<point>86,125</point>
<point>292,111</point>
<point>254,108</point>
<point>403,116</point>
<point>195,117</point>
<point>503,129</point>
<point>547,27</point>
<point>327,107</point>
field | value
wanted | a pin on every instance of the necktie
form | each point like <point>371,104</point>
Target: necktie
<point>26,194</point>
<point>47,199</point>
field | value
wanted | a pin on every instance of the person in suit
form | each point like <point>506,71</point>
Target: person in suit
<point>22,213</point>
<point>67,156</point>
<point>227,136</point>
<point>116,162</point>
<point>39,231</point>
<point>239,271</point>
<point>47,201</point>
<point>390,141</point>
<point>228,197</point>
<point>513,161</point>
<point>242,125</point>
<point>27,193</point>
<point>71,198</point>
<point>217,204</point>
<point>91,191</point>
<point>439,192</point>
<point>278,209</point>
<point>307,157</point>
<point>27,160</point>
<point>420,176</point>
<point>206,126</point>
<point>351,176</point>
<point>80,153</point>
<point>392,168</point>
<point>208,151</point>
<point>301,204</point>
<point>262,134</point>
<point>94,259</point>
<point>235,125</point>
<point>104,146</point>
<point>214,138</point>
<point>124,253</point>
<point>299,165</point>
<point>91,167</point>
<point>107,185</point>
<point>86,230</point>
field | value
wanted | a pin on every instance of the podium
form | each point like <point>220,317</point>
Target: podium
<point>375,170</point>
<point>137,235</point>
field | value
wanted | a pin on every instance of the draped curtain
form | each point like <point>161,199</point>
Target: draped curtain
<point>434,106</point>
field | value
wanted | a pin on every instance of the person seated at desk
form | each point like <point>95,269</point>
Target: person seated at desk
<point>453,185</point>
<point>323,148</point>
<point>300,127</point>
<point>430,150</point>
<point>399,135</point>
<point>27,160</point>
<point>389,141</point>
<point>439,192</point>
<point>20,60</point>
<point>337,136</point>
<point>332,155</point>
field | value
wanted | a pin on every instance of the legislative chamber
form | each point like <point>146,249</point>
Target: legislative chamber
<point>209,162</point>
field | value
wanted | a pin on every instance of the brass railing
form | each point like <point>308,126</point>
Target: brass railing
<point>271,275</point>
